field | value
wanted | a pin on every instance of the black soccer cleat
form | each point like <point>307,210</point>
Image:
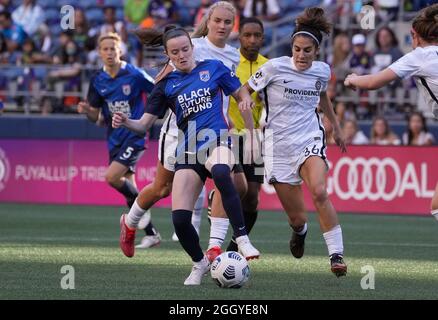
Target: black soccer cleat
<point>338,266</point>
<point>296,244</point>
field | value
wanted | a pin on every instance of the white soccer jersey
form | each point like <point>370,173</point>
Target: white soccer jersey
<point>291,99</point>
<point>422,64</point>
<point>204,49</point>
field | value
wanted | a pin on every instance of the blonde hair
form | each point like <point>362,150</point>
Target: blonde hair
<point>202,29</point>
<point>111,36</point>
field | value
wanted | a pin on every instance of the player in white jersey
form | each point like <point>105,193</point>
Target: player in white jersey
<point>210,39</point>
<point>421,63</point>
<point>294,135</point>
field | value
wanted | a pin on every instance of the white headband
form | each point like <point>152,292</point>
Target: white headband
<point>308,33</point>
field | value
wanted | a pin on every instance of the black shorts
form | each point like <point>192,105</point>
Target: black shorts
<point>127,154</point>
<point>254,172</point>
<point>200,169</point>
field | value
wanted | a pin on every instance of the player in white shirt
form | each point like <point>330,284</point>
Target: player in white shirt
<point>209,40</point>
<point>294,135</point>
<point>421,63</point>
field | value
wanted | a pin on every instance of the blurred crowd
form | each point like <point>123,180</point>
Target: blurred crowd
<point>45,65</point>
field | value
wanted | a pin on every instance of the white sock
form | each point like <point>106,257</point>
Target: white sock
<point>435,213</point>
<point>134,215</point>
<point>303,231</point>
<point>197,210</point>
<point>218,231</point>
<point>333,239</point>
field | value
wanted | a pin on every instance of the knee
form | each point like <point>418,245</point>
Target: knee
<point>319,194</point>
<point>112,180</point>
<point>221,175</point>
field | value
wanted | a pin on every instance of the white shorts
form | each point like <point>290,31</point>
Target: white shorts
<point>287,169</point>
<point>166,150</point>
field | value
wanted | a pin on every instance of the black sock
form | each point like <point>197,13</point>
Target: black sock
<point>150,230</point>
<point>250,219</point>
<point>187,235</point>
<point>129,191</point>
<point>230,198</point>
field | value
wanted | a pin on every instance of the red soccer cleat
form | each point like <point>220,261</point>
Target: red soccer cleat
<point>127,238</point>
<point>213,252</point>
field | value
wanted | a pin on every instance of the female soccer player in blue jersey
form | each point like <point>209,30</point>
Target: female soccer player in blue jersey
<point>421,63</point>
<point>294,138</point>
<point>212,35</point>
<point>119,86</point>
<point>194,93</point>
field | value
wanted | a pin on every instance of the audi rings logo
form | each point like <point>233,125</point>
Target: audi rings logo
<point>367,179</point>
<point>4,169</point>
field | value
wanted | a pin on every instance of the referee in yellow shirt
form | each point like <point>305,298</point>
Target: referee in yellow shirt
<point>251,37</point>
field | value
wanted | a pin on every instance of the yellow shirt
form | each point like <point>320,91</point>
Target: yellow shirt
<point>244,71</point>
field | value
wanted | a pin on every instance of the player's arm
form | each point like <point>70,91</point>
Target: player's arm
<point>327,108</point>
<point>370,81</point>
<point>92,113</point>
<point>246,104</point>
<point>140,126</point>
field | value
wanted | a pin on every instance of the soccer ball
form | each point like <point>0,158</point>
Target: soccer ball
<point>230,270</point>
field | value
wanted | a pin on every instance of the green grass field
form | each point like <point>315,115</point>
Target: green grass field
<point>37,240</point>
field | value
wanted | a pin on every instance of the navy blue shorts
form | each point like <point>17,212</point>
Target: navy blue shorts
<point>127,154</point>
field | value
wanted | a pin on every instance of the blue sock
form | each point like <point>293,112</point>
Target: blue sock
<point>230,198</point>
<point>187,235</point>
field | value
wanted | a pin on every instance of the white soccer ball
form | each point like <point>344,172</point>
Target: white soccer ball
<point>230,270</point>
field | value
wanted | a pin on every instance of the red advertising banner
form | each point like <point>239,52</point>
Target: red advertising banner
<point>372,179</point>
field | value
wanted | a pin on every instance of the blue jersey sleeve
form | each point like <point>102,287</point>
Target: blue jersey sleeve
<point>158,102</point>
<point>93,97</point>
<point>227,80</point>
<point>144,81</point>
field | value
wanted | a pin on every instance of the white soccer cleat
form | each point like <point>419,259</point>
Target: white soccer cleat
<point>149,241</point>
<point>145,220</point>
<point>175,237</point>
<point>246,248</point>
<point>199,269</point>
<point>435,214</point>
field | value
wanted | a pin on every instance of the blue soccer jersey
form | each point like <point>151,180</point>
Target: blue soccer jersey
<point>196,100</point>
<point>123,94</point>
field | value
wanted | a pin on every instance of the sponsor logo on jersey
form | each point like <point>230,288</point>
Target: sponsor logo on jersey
<point>126,89</point>
<point>120,106</point>
<point>4,169</point>
<point>318,85</point>
<point>195,101</point>
<point>204,75</point>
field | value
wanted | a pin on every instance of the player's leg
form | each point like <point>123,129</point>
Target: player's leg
<point>186,188</point>
<point>250,201</point>
<point>292,200</point>
<point>313,171</point>
<point>219,164</point>
<point>434,203</point>
<point>218,218</point>
<point>147,197</point>
<point>197,213</point>
<point>152,237</point>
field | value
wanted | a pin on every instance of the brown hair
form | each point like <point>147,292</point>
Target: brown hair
<point>426,23</point>
<point>154,38</point>
<point>313,21</point>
